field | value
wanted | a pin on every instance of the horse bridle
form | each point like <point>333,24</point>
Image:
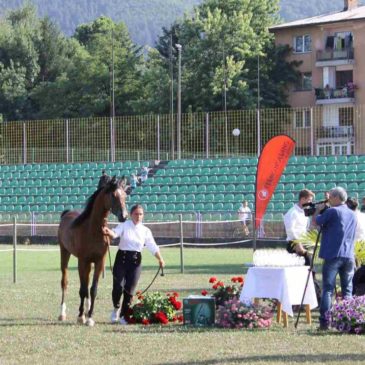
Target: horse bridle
<point>114,208</point>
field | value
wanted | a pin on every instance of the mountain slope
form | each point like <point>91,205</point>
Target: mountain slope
<point>145,18</point>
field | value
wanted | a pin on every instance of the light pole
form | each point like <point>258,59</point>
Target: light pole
<point>172,102</point>
<point>178,129</point>
<point>258,108</point>
<point>225,99</point>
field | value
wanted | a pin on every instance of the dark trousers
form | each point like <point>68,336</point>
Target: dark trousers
<point>307,256</point>
<point>308,259</point>
<point>126,273</point>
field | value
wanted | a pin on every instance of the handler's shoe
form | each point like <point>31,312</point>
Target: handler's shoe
<point>122,321</point>
<point>114,317</point>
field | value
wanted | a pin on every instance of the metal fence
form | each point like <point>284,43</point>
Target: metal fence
<point>322,130</point>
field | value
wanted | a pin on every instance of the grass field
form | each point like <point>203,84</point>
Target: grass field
<point>31,334</point>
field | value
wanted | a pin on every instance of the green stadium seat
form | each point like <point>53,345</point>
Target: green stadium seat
<point>229,198</point>
<point>353,186</point>
<point>170,207</point>
<point>342,159</point>
<point>160,207</point>
<point>228,207</point>
<point>199,207</point>
<point>299,186</point>
<point>180,198</point>
<point>353,159</point>
<point>352,176</point>
<point>311,186</point>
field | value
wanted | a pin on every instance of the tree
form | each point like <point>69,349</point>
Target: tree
<point>219,43</point>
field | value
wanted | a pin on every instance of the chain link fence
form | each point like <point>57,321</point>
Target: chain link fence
<point>321,130</point>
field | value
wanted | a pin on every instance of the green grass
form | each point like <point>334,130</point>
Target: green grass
<point>31,334</point>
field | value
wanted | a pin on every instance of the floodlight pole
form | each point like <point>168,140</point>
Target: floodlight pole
<point>178,129</point>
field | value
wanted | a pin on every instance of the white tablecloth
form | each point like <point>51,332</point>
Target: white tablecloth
<point>285,284</point>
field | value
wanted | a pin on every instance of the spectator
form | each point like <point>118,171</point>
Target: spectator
<point>245,215</point>
<point>338,225</point>
<point>144,173</point>
<point>104,179</point>
<point>133,181</point>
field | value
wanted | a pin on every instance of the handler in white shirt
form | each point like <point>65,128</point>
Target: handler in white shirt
<point>127,266</point>
<point>296,223</point>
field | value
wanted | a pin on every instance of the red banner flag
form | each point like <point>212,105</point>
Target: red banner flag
<point>272,161</point>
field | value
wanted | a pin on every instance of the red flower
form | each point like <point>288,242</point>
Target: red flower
<point>220,283</point>
<point>177,305</point>
<point>229,289</point>
<point>204,292</point>
<point>234,279</point>
<point>161,317</point>
<point>180,318</point>
<point>130,320</point>
<point>213,279</point>
<point>240,279</point>
<point>175,294</point>
<point>145,321</point>
<point>215,286</point>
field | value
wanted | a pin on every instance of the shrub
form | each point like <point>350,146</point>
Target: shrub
<point>234,314</point>
<point>222,292</point>
<point>155,308</point>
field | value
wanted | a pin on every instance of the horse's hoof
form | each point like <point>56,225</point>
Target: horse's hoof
<point>90,322</point>
<point>62,317</point>
<point>81,319</point>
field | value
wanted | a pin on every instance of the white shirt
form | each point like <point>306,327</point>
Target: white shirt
<point>360,228</point>
<point>133,237</point>
<point>296,223</point>
<point>244,213</point>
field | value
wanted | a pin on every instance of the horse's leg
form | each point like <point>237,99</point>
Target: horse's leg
<point>99,266</point>
<point>84,274</point>
<point>65,257</point>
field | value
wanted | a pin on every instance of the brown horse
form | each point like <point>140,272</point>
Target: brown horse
<point>81,235</point>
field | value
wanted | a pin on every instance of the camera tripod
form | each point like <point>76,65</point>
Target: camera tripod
<point>310,272</point>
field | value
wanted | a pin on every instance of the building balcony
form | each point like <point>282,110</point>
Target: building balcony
<point>335,96</point>
<point>346,131</point>
<point>333,57</point>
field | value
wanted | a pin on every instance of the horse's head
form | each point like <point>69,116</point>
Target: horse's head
<point>115,189</point>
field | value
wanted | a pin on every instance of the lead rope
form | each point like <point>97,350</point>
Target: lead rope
<point>150,284</point>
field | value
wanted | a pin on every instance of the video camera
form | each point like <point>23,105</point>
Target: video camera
<point>310,208</point>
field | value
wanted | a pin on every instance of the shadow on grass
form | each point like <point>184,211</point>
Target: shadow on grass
<point>297,358</point>
<point>188,269</point>
<point>11,322</point>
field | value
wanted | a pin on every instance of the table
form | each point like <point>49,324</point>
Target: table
<point>286,284</point>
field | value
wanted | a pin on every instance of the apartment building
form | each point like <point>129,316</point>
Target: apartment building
<point>329,100</point>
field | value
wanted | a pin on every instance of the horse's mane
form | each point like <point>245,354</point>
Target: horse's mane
<point>88,209</point>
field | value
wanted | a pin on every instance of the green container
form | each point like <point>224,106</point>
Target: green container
<point>199,310</point>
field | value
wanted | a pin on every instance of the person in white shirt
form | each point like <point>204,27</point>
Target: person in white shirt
<point>296,223</point>
<point>245,215</point>
<point>127,265</point>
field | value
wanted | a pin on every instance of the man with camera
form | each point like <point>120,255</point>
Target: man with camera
<point>296,223</point>
<point>338,227</point>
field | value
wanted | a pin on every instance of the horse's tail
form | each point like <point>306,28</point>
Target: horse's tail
<point>64,212</point>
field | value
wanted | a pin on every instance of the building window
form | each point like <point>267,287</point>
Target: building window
<point>302,119</point>
<point>346,116</point>
<point>305,82</point>
<point>302,44</point>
